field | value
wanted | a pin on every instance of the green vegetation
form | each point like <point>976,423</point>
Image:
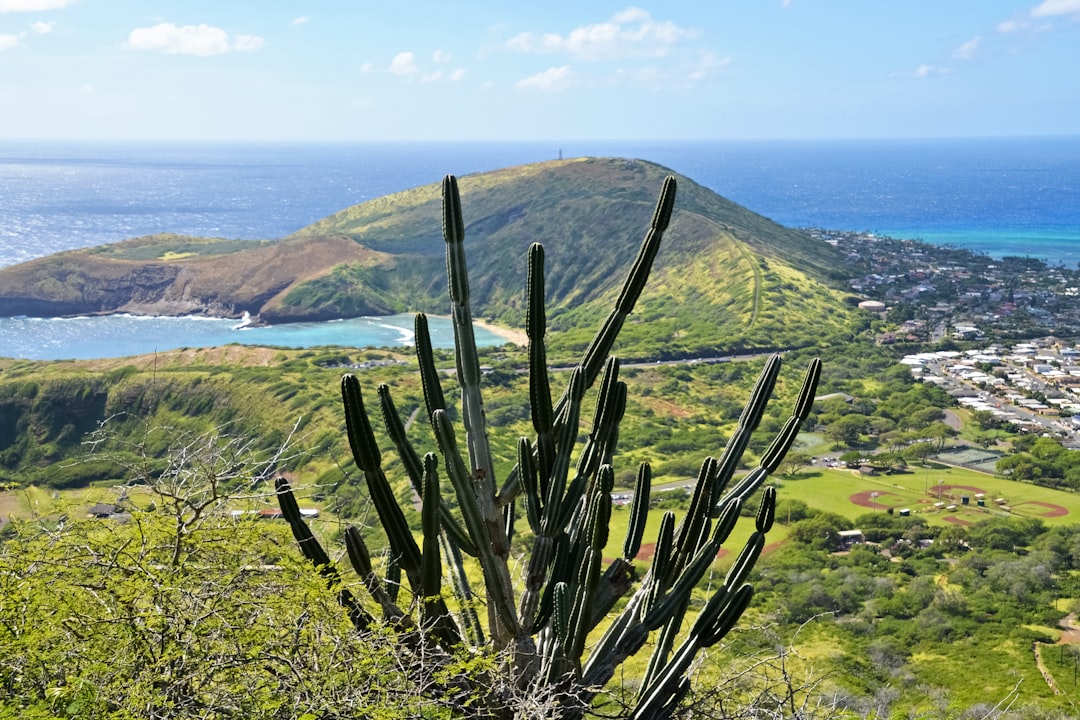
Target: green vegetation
<point>567,595</point>
<point>179,247</point>
<point>67,425</point>
<point>946,628</point>
<point>104,620</point>
<point>186,611</point>
<point>727,280</point>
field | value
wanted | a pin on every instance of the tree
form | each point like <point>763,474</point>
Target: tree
<point>920,451</point>
<point>793,463</point>
<point>100,618</point>
<point>820,532</point>
<point>847,429</point>
<point>939,433</point>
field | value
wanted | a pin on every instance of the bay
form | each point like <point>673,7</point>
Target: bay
<point>87,338</point>
<point>999,196</point>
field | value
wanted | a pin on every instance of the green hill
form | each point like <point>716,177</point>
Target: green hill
<point>723,272</point>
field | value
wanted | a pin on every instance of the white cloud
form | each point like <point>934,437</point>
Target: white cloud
<point>967,50</point>
<point>300,20</point>
<point>630,33</point>
<point>680,77</point>
<point>43,28</point>
<point>8,41</point>
<point>86,88</point>
<point>367,68</point>
<point>441,56</point>
<point>1056,7</point>
<point>403,64</point>
<point>708,64</point>
<point>248,43</point>
<point>1009,26</point>
<point>924,71</point>
<point>551,80</point>
<point>440,76</point>
<point>200,40</point>
<point>7,6</point>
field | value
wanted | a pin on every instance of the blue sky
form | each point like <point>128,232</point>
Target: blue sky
<point>552,70</point>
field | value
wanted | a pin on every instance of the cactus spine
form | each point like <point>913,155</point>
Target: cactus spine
<point>566,589</point>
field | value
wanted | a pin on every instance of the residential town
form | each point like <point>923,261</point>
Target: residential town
<point>932,293</point>
<point>1033,385</point>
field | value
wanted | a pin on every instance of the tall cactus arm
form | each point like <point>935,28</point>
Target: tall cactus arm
<point>435,617</point>
<point>414,468</point>
<point>434,399</point>
<point>360,559</point>
<point>540,407</point>
<point>468,360</point>
<point>466,600</point>
<point>639,512</point>
<point>431,562</point>
<point>369,460</point>
<point>600,347</point>
<point>774,455</point>
<point>314,552</point>
<point>501,610</point>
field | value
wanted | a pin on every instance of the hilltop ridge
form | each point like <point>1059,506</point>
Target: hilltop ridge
<point>755,282</point>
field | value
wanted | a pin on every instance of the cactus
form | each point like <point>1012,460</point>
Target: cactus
<point>566,592</point>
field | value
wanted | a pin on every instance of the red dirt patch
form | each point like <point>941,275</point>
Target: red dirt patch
<point>956,521</point>
<point>863,499</point>
<point>649,549</point>
<point>1052,510</point>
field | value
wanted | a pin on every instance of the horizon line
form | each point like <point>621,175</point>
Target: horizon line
<point>537,141</point>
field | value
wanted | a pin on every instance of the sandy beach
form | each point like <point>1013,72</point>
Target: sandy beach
<point>518,337</point>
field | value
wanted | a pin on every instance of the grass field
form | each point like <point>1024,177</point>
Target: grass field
<point>844,492</point>
<point>847,493</point>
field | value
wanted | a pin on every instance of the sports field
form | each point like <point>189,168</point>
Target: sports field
<point>931,492</point>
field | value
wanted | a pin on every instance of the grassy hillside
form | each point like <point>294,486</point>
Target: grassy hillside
<point>904,631</point>
<point>723,271</point>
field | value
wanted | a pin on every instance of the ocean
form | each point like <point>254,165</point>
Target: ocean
<point>1003,196</point>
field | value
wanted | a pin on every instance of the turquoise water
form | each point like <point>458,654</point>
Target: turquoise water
<point>1000,196</point>
<point>85,338</point>
<point>1056,246</point>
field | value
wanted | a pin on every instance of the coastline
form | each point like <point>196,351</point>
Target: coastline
<point>87,337</point>
<point>518,337</point>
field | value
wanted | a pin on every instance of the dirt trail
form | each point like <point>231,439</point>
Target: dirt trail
<point>1070,631</point>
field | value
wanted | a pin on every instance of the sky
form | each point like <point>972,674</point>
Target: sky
<point>353,70</point>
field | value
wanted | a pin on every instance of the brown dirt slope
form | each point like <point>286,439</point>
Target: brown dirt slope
<point>220,284</point>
